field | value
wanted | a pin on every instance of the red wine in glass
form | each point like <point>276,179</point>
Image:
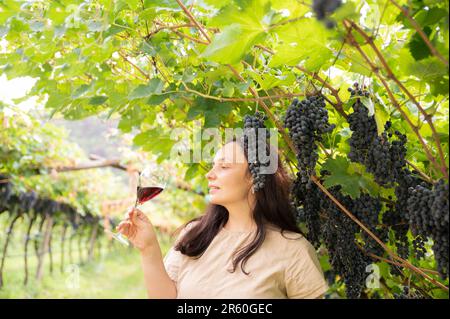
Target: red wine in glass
<point>151,183</point>
<point>145,194</point>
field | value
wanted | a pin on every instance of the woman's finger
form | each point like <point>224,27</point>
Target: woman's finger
<point>121,224</point>
<point>133,232</point>
<point>139,218</point>
<point>129,226</point>
<point>119,227</point>
<point>127,229</point>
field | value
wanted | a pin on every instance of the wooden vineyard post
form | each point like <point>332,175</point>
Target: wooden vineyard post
<point>44,247</point>
<point>63,237</point>
<point>99,248</point>
<point>27,239</point>
<point>50,253</point>
<point>39,234</point>
<point>80,255</point>
<point>92,242</point>
<point>72,233</point>
<point>5,247</point>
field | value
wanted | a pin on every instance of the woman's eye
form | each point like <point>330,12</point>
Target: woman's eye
<point>225,167</point>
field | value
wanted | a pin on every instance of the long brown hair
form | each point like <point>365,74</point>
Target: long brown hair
<point>272,206</point>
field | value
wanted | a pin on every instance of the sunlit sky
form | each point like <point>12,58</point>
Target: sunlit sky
<point>16,88</point>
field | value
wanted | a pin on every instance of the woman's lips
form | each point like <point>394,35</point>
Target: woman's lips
<point>213,189</point>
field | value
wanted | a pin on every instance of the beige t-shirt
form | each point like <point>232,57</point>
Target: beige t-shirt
<point>281,268</point>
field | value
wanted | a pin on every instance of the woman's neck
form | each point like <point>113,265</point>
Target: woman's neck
<point>240,217</point>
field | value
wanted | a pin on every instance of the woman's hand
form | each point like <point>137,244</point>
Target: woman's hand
<point>138,229</point>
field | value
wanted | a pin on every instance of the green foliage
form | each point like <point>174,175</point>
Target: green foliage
<point>148,64</point>
<point>351,176</point>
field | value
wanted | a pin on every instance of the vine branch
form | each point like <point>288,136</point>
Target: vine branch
<point>194,21</point>
<point>419,30</point>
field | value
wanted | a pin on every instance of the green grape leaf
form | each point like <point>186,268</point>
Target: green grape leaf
<point>154,86</point>
<point>345,175</point>
<point>230,45</point>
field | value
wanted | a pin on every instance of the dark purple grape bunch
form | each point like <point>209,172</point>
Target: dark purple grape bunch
<point>6,190</point>
<point>358,91</point>
<point>307,121</point>
<point>324,8</point>
<point>428,214</point>
<point>383,156</point>
<point>255,139</point>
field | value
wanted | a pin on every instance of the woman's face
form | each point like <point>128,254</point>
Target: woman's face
<point>229,179</point>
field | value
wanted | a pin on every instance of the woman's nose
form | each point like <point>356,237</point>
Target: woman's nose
<point>210,175</point>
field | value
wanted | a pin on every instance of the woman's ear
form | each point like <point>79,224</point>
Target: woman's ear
<point>248,177</point>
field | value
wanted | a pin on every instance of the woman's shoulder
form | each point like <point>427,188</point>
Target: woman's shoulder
<point>286,239</point>
<point>277,231</point>
<point>187,226</point>
<point>181,231</point>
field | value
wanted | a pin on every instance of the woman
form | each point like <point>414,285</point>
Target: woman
<point>256,230</point>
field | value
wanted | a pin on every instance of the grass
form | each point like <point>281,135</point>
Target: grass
<point>116,273</point>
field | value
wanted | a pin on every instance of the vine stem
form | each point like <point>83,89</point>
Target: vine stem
<point>224,99</point>
<point>189,37</point>
<point>134,65</point>
<point>419,30</point>
<point>431,271</point>
<point>162,26</point>
<point>352,25</point>
<point>272,26</point>
<point>193,20</point>
<point>334,92</point>
<point>424,176</point>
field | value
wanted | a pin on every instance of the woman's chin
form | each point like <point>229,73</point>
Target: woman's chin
<point>214,199</point>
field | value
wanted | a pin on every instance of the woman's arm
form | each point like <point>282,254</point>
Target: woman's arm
<point>139,230</point>
<point>158,283</point>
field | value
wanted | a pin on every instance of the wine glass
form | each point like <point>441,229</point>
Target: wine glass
<point>151,182</point>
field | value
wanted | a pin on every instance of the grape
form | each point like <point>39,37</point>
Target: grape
<point>307,121</point>
<point>27,201</point>
<point>323,8</point>
<point>5,194</point>
<point>382,156</point>
<point>307,200</point>
<point>338,233</point>
<point>400,224</point>
<point>336,230</point>
<point>252,125</point>
<point>393,219</point>
<point>419,208</point>
<point>300,216</point>
<point>419,247</point>
<point>408,293</point>
<point>367,209</point>
<point>428,215</point>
